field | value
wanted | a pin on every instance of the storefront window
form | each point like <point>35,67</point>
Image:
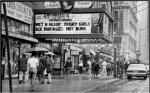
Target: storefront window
<point>116,14</point>
<point>115,25</point>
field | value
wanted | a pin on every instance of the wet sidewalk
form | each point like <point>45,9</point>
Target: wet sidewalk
<point>73,83</point>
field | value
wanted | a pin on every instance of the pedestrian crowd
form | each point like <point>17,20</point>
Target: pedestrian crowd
<point>35,67</point>
<point>105,68</point>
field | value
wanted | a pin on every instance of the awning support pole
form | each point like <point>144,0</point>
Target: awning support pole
<point>8,52</point>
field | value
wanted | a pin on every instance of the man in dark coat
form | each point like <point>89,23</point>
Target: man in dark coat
<point>41,68</point>
<point>96,69</point>
<point>68,66</point>
<point>22,65</point>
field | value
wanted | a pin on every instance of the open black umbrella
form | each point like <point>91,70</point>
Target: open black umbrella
<point>50,53</point>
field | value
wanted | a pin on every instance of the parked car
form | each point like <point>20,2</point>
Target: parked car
<point>147,69</point>
<point>136,70</point>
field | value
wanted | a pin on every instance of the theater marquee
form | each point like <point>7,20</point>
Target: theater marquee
<point>63,24</point>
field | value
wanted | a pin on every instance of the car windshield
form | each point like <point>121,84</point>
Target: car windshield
<point>136,66</point>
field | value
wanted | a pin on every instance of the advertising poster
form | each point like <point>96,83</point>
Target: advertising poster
<point>57,62</point>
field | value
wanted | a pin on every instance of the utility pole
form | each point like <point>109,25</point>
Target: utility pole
<point>0,50</point>
<point>139,50</point>
<point>7,42</point>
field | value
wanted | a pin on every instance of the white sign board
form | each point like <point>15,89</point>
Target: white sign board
<point>19,11</point>
<point>77,4</point>
<point>83,4</point>
<point>75,52</point>
<point>49,4</point>
<point>63,24</point>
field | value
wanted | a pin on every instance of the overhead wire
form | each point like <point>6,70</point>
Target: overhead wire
<point>139,5</point>
<point>141,10</point>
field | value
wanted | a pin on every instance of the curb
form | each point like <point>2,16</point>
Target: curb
<point>73,77</point>
<point>105,84</point>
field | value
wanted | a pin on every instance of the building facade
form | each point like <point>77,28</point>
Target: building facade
<point>88,22</point>
<point>143,31</point>
<point>125,26</point>
<point>20,31</point>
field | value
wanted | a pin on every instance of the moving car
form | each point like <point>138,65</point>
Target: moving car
<point>136,70</point>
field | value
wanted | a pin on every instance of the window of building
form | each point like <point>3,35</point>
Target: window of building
<point>116,15</point>
<point>116,25</point>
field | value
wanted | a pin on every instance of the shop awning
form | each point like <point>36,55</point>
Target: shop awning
<point>76,38</point>
<point>22,37</point>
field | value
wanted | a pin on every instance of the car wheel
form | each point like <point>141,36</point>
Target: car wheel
<point>129,77</point>
<point>145,77</point>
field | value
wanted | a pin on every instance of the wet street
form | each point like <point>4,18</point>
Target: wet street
<point>136,85</point>
<point>83,84</point>
<point>78,84</point>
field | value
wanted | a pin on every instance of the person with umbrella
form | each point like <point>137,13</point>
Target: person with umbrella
<point>42,61</point>
<point>32,65</point>
<point>42,67</point>
<point>68,66</point>
<point>22,64</point>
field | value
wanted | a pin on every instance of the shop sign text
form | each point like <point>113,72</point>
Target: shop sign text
<point>19,11</point>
